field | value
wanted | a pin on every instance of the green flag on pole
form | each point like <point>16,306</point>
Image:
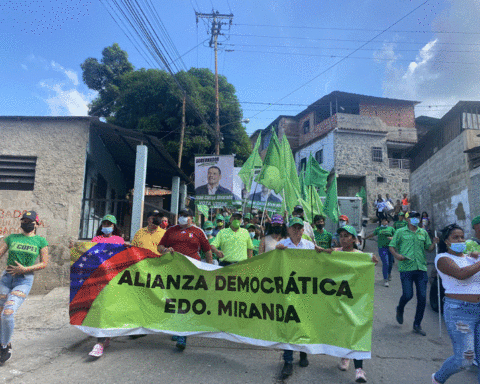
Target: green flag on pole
<point>315,174</point>
<point>292,183</point>
<point>363,195</point>
<point>253,161</point>
<point>271,174</point>
<point>203,210</point>
<point>331,201</point>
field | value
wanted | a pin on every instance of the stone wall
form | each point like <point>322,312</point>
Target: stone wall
<point>440,186</point>
<point>353,157</point>
<point>60,147</point>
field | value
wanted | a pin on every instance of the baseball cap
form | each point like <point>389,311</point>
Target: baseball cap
<point>277,219</point>
<point>476,220</point>
<point>185,212</point>
<point>298,208</point>
<point>248,216</point>
<point>251,225</point>
<point>236,214</point>
<point>110,218</point>
<point>153,213</point>
<point>349,229</point>
<point>413,214</point>
<point>343,217</point>
<point>208,225</point>
<point>31,215</point>
<point>295,220</point>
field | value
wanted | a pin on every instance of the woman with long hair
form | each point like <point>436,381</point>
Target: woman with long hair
<point>276,232</point>
<point>460,275</point>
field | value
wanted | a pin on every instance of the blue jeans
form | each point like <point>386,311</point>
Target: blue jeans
<point>387,261</point>
<point>420,278</point>
<point>13,291</point>
<point>463,324</point>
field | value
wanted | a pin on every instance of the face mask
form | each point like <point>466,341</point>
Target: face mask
<point>183,220</point>
<point>220,224</point>
<point>27,227</point>
<point>208,232</point>
<point>458,247</point>
<point>342,223</point>
<point>164,224</point>
<point>277,230</point>
<point>235,224</point>
<point>107,230</point>
<point>414,221</point>
<point>384,226</point>
<point>156,222</point>
<point>252,234</point>
<point>319,226</point>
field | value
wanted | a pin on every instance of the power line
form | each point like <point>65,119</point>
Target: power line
<point>355,29</point>
<point>350,54</point>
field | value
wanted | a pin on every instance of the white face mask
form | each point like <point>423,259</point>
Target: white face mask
<point>342,223</point>
<point>183,220</point>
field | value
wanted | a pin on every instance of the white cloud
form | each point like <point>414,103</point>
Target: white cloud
<point>24,67</point>
<point>70,74</point>
<point>67,101</point>
<point>444,70</point>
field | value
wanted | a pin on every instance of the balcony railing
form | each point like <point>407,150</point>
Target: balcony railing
<point>399,163</point>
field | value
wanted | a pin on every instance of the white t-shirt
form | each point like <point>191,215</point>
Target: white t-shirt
<point>469,286</point>
<point>303,244</point>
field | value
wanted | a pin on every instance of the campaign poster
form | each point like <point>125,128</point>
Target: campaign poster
<point>261,197</point>
<point>214,181</point>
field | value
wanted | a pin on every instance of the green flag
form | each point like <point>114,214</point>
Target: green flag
<point>331,201</point>
<point>254,161</point>
<point>303,188</point>
<point>203,210</point>
<point>363,195</point>
<point>315,174</point>
<point>292,183</point>
<point>314,202</point>
<point>271,174</point>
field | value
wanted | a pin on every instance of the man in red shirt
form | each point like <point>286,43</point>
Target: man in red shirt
<point>187,239</point>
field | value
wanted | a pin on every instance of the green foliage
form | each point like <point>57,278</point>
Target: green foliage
<point>151,101</point>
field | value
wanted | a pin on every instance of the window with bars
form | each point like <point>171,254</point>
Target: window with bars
<point>306,126</point>
<point>17,173</point>
<point>377,154</point>
<point>303,164</point>
<point>319,156</point>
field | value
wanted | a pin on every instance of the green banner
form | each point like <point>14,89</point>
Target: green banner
<point>290,299</point>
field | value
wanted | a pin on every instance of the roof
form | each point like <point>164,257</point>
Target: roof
<point>459,107</point>
<point>427,120</point>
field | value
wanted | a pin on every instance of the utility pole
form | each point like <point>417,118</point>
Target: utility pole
<point>215,18</point>
<point>182,132</point>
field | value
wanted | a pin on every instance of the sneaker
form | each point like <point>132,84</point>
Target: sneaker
<point>433,379</point>
<point>97,350</point>
<point>181,342</point>
<point>287,369</point>
<point>360,376</point>
<point>303,360</point>
<point>344,363</point>
<point>399,316</point>
<point>386,283</point>
<point>174,338</point>
<point>5,353</point>
<point>418,329</point>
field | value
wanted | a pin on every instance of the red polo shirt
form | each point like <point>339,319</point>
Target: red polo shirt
<point>187,241</point>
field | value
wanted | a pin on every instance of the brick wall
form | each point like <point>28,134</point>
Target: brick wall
<point>392,114</point>
<point>317,130</point>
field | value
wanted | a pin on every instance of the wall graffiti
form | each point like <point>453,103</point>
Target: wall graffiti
<point>10,221</point>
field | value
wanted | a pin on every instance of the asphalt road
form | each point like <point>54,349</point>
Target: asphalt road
<point>48,350</point>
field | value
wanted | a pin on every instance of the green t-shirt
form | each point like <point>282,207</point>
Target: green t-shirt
<point>234,244</point>
<point>412,245</point>
<point>324,239</point>
<point>383,233</point>
<point>202,254</point>
<point>24,249</point>
<point>256,245</point>
<point>400,224</point>
<point>472,246</point>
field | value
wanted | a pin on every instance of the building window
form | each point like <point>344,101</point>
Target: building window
<point>381,179</point>
<point>17,173</point>
<point>405,180</point>
<point>303,164</point>
<point>377,154</point>
<point>306,126</point>
<point>319,156</point>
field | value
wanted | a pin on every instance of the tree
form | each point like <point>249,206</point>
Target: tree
<point>150,100</point>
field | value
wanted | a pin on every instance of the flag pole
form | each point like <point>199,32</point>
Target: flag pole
<point>265,207</point>
<point>246,199</point>
<point>438,294</point>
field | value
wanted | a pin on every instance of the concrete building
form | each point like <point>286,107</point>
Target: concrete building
<point>445,166</point>
<point>72,171</point>
<point>364,139</point>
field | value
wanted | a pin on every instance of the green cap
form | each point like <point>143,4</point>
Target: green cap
<point>208,225</point>
<point>110,218</point>
<point>219,218</point>
<point>248,216</point>
<point>349,229</point>
<point>227,218</point>
<point>476,220</point>
<point>251,225</point>
<point>295,220</point>
<point>401,213</point>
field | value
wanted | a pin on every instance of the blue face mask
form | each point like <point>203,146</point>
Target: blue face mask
<point>415,221</point>
<point>208,232</point>
<point>107,230</point>
<point>458,247</point>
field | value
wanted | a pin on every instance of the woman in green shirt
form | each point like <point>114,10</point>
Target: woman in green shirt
<point>16,281</point>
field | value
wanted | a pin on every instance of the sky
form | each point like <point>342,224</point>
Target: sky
<point>282,52</point>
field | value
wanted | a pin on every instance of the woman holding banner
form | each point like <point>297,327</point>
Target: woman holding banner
<point>275,233</point>
<point>348,243</point>
<point>460,275</point>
